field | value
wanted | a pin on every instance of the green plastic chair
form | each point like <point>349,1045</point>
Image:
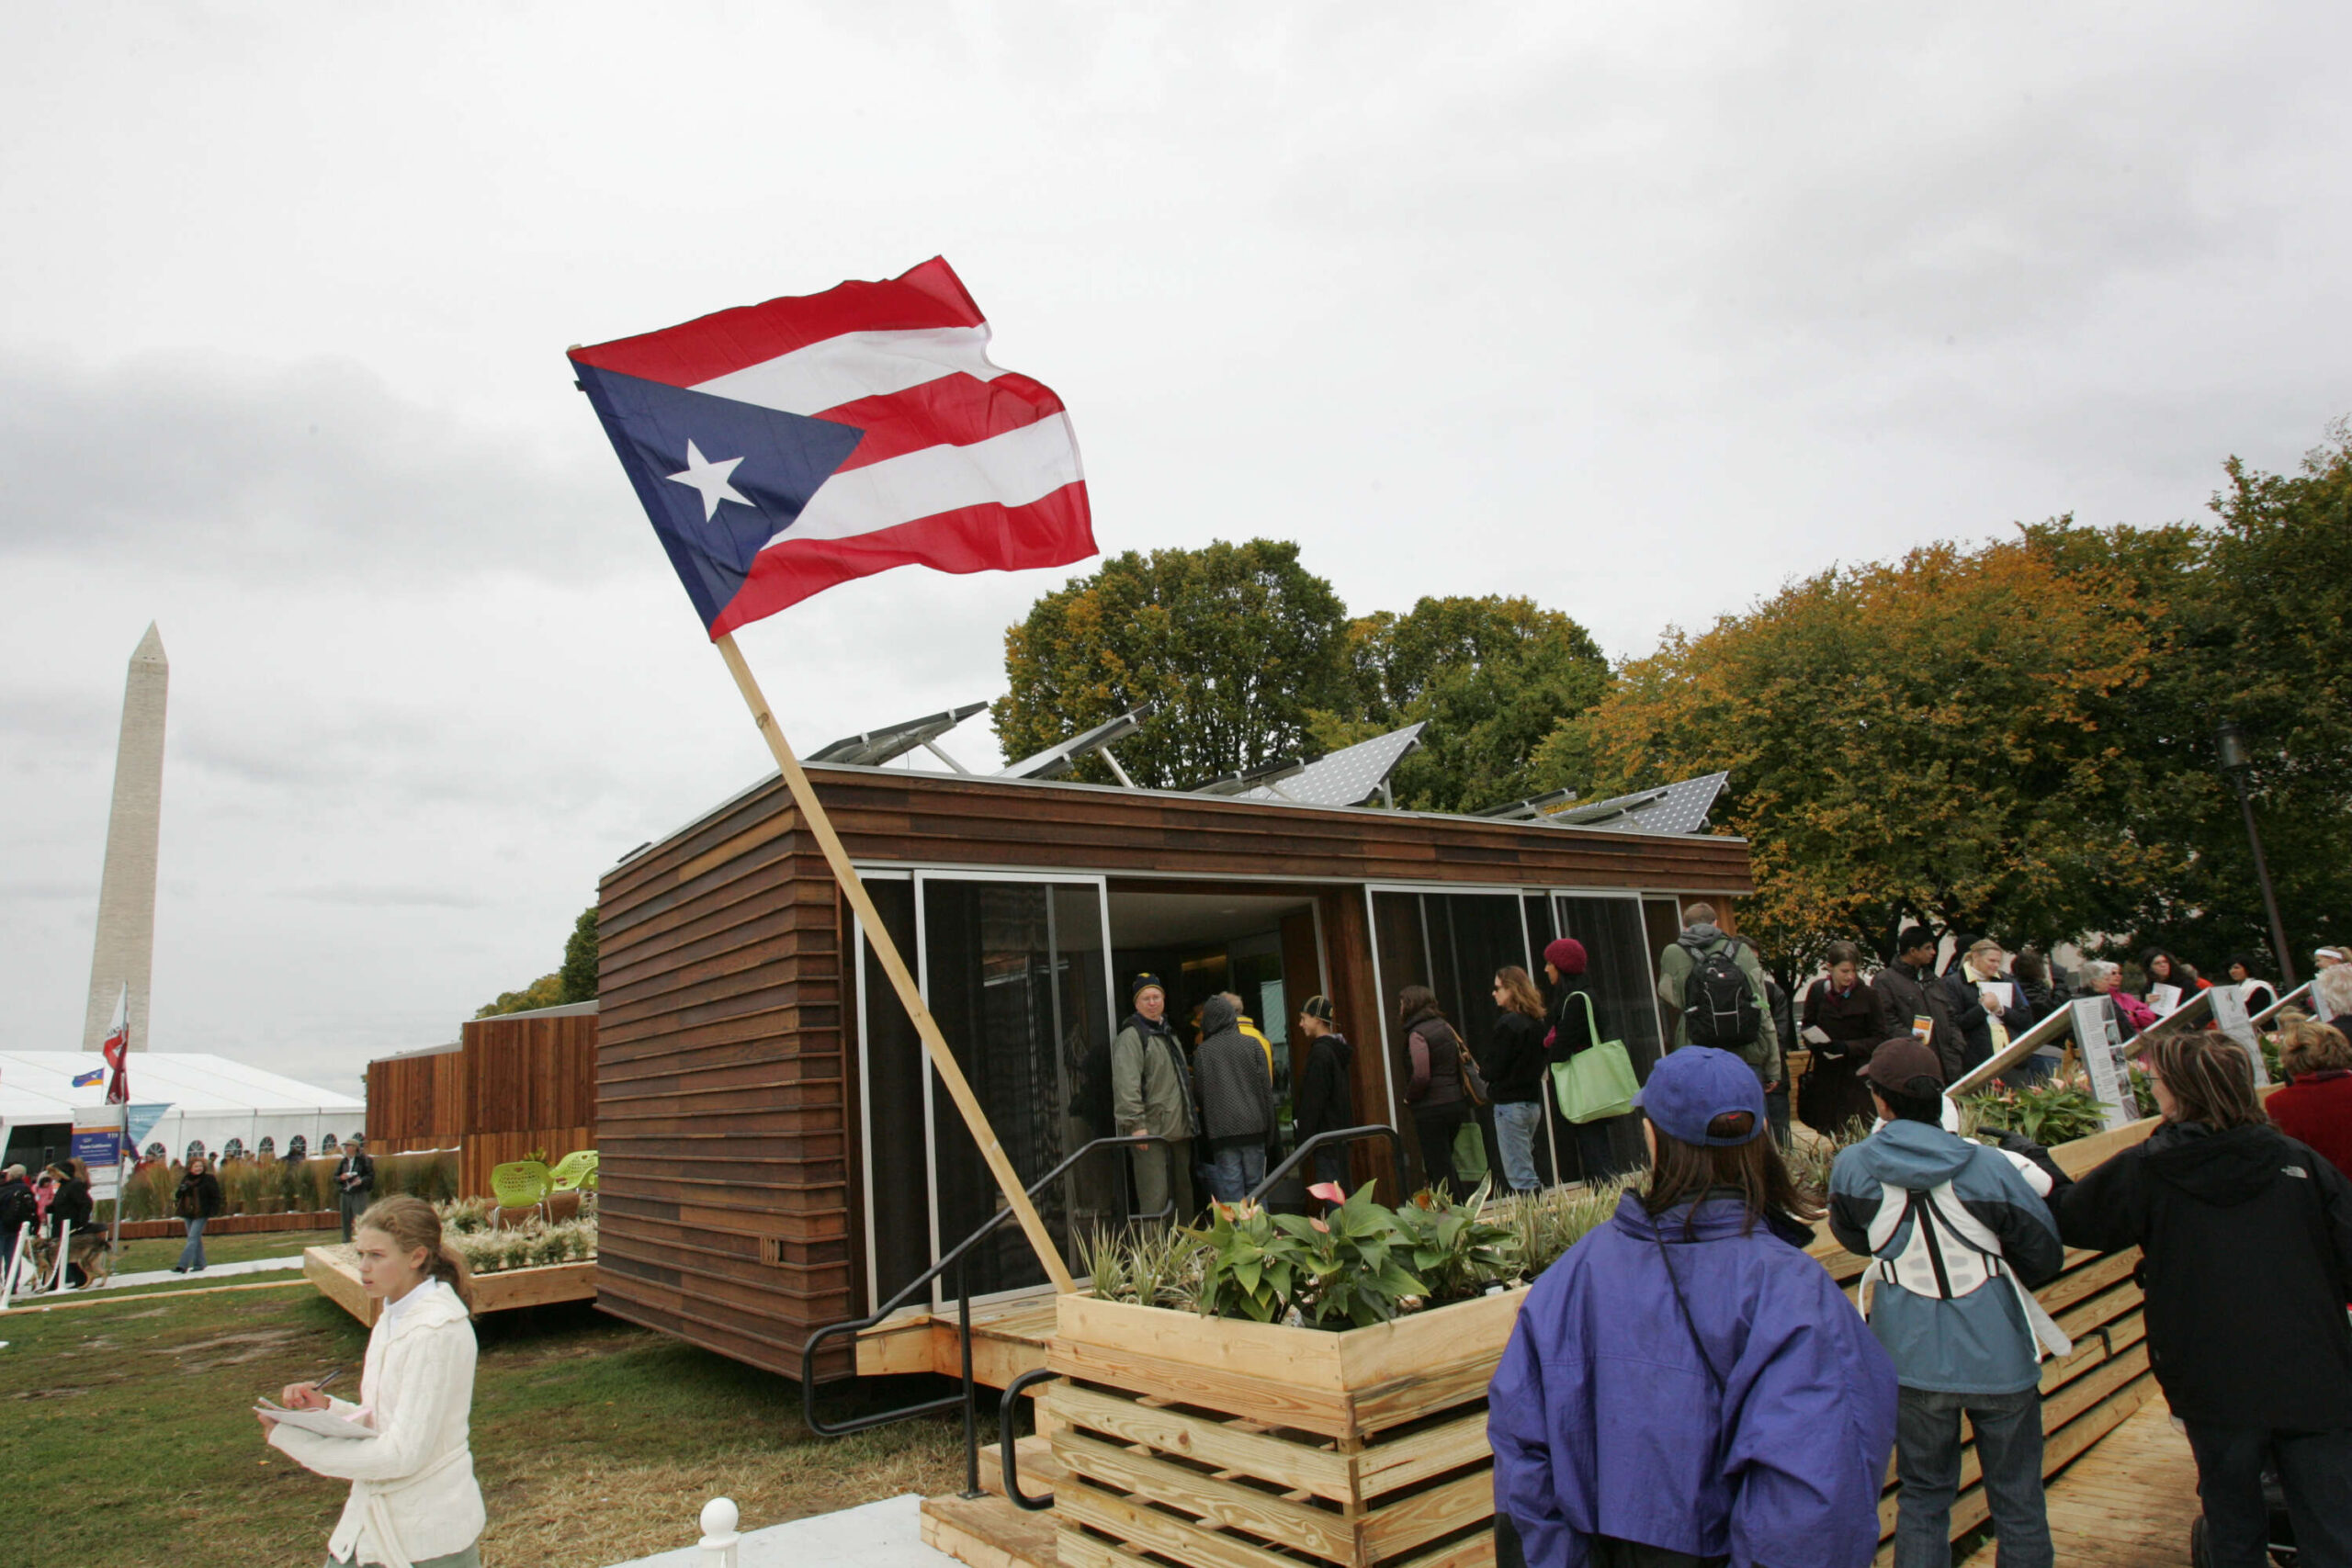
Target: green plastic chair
<point>575,1172</point>
<point>521,1184</point>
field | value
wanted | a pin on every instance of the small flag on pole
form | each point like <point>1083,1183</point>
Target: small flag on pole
<point>783,449</point>
<point>85,1080</point>
<point>116,1046</point>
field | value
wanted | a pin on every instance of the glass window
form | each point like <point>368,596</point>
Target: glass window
<point>1014,972</point>
<point>1451,942</point>
<point>897,1174</point>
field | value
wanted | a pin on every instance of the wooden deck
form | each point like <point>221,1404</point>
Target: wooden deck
<point>1008,1338</point>
<point>2126,1504</point>
<point>338,1278</point>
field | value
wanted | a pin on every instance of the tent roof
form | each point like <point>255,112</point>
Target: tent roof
<point>38,1086</point>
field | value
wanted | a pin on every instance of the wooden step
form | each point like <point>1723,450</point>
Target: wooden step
<point>1040,1471</point>
<point>988,1532</point>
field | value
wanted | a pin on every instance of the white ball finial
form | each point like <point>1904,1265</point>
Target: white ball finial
<point>719,1516</point>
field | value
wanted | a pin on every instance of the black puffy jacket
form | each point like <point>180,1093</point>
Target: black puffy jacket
<point>2248,1236</point>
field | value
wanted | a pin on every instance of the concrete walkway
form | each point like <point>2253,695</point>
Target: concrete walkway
<point>215,1271</point>
<point>887,1534</point>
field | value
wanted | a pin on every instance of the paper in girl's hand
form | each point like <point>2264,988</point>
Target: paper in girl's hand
<point>323,1423</point>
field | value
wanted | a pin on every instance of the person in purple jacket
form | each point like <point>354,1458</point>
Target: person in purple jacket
<point>1686,1387</point>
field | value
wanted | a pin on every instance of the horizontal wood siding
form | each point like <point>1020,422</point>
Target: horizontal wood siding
<point>722,1138</point>
<point>723,1114</point>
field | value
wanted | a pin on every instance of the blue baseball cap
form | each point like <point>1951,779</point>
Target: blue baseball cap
<point>1696,1084</point>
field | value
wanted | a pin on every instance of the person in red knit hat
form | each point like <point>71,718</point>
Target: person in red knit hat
<point>1598,1152</point>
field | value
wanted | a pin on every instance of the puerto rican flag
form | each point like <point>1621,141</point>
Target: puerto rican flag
<point>782,448</point>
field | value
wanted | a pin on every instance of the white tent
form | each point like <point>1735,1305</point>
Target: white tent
<point>206,1099</point>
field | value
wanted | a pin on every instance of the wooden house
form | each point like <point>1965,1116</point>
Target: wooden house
<point>775,1154</point>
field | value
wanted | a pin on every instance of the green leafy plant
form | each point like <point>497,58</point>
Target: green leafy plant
<point>1454,1247</point>
<point>2049,1113</point>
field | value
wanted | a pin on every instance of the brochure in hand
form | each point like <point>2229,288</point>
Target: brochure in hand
<point>326,1423</point>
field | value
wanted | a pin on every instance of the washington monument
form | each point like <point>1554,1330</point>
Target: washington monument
<point>126,943</point>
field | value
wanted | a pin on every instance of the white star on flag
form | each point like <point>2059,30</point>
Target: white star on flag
<point>711,479</point>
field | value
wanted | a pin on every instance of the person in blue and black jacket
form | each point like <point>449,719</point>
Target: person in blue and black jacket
<point>1958,1235</point>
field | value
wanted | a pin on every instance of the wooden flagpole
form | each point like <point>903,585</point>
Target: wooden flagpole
<point>934,1045</point>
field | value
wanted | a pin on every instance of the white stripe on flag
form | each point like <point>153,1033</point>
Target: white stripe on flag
<point>857,365</point>
<point>1012,470</point>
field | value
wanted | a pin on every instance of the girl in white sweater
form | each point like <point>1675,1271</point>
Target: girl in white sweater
<point>413,1502</point>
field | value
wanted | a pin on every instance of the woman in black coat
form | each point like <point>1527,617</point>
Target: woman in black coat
<point>1839,1027</point>
<point>2246,1241</point>
<point>196,1200</point>
<point>1570,1034</point>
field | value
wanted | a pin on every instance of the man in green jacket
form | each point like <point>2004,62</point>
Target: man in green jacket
<point>1701,937</point>
<point>1152,1096</point>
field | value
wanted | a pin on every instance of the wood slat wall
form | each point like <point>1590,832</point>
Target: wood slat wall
<point>722,1106</point>
<point>524,1072</point>
<point>417,1102</point>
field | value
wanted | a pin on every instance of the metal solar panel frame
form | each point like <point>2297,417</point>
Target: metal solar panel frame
<point>1252,778</point>
<point>1059,759</point>
<point>887,744</point>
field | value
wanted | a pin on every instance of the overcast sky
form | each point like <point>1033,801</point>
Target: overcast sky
<point>1638,310</point>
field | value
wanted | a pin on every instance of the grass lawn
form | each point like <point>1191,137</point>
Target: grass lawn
<point>595,1441</point>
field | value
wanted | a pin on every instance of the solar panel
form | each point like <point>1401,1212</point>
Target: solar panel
<point>1534,805</point>
<point>1349,776</point>
<point>876,747</point>
<point>1251,778</point>
<point>1679,807</point>
<point>1057,760</point>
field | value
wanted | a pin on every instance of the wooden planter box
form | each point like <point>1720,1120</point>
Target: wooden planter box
<point>1246,1445</point>
<point>1222,1444</point>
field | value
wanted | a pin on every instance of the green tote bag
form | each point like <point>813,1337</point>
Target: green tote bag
<point>1597,1081</point>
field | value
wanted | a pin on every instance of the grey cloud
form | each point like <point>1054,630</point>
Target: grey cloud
<point>285,474</point>
<point>370,895</point>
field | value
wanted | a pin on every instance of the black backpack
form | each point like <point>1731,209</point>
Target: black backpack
<point>16,1208</point>
<point>1718,1004</point>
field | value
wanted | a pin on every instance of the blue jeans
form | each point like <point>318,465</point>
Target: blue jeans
<point>192,1254</point>
<point>1515,1130</point>
<point>1927,1461</point>
<point>1233,1172</point>
<point>2314,1470</point>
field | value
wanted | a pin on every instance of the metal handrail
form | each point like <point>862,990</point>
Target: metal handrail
<point>1336,1135</point>
<point>955,1259</point>
<point>1007,1407</point>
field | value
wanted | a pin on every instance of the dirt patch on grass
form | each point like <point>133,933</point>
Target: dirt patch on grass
<point>257,1346</point>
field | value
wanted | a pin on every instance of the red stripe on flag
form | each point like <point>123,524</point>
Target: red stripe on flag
<point>714,346</point>
<point>955,411</point>
<point>1054,530</point>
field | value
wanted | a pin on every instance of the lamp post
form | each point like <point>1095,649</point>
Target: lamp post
<point>2228,740</point>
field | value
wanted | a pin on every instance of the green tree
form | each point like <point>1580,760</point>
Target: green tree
<point>1916,740</point>
<point>1237,642</point>
<point>1493,677</point>
<point>2255,627</point>
<point>546,991</point>
<point>579,970</point>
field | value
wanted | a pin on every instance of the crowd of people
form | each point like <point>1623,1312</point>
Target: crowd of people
<point>1685,1387</point>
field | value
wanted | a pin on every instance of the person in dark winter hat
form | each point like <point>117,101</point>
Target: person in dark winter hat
<point>1686,1387</point>
<point>1324,1100</point>
<point>2245,1237</point>
<point>1151,1095</point>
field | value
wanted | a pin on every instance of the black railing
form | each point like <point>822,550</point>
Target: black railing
<point>1007,1410</point>
<point>967,1396</point>
<point>1320,1140</point>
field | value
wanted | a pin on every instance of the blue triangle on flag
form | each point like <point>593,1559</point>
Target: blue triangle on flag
<point>774,460</point>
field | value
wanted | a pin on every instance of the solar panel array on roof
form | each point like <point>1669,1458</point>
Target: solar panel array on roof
<point>1349,776</point>
<point>1679,807</point>
<point>876,747</point>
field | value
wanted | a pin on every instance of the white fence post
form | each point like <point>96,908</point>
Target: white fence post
<point>720,1518</point>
